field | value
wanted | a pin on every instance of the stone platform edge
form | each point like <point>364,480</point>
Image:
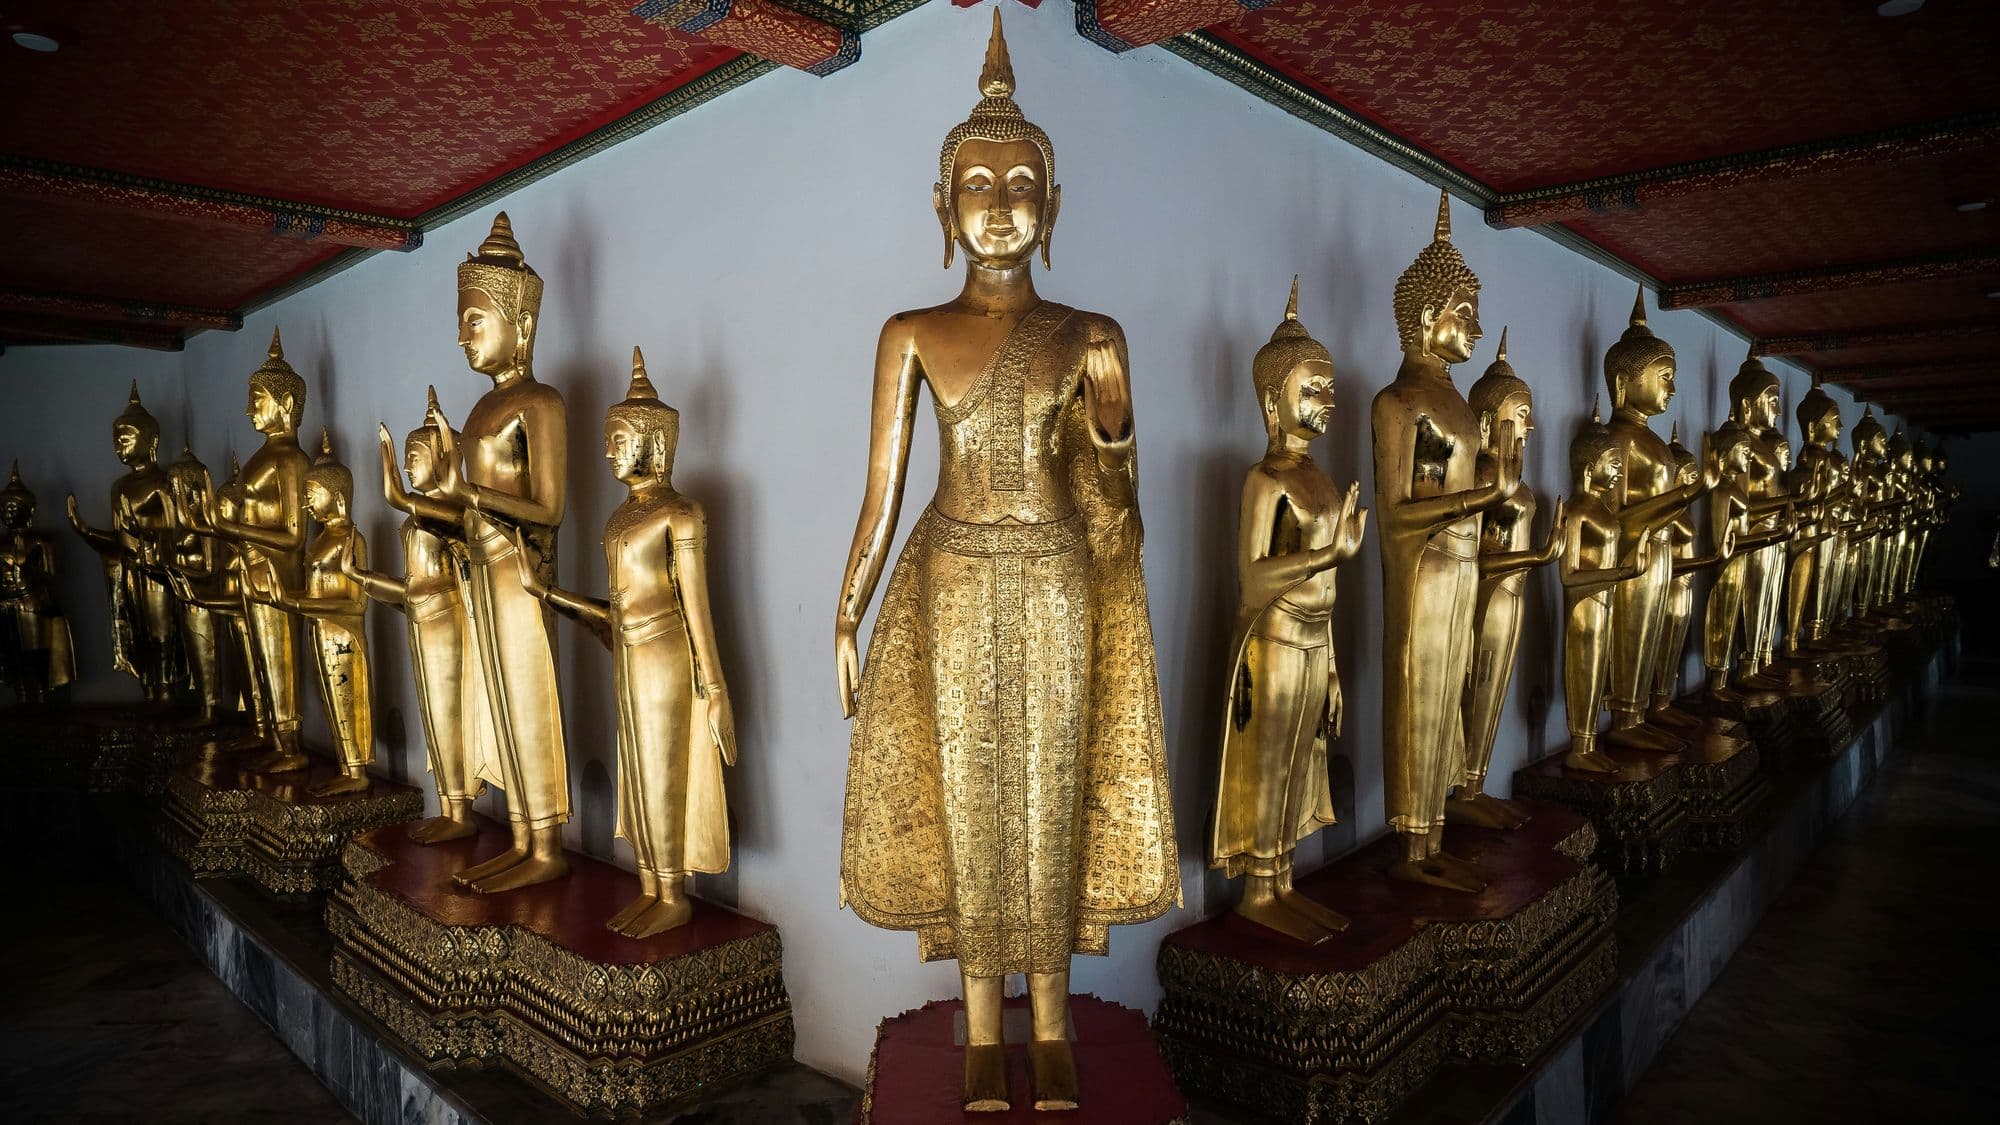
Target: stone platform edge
<point>1582,1077</point>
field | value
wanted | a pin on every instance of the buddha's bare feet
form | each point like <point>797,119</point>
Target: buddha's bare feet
<point>1480,810</point>
<point>438,829</point>
<point>340,785</point>
<point>532,870</point>
<point>491,867</point>
<point>1052,1074</point>
<point>663,915</point>
<point>986,1078</point>
<point>1645,739</point>
<point>281,761</point>
<point>1333,921</point>
<point>1272,914</point>
<point>617,922</point>
<point>1590,761</point>
<point>1434,874</point>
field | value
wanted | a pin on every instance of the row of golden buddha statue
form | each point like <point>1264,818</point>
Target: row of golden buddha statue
<point>1007,790</point>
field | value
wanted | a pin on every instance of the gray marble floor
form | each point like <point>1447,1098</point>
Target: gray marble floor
<point>1870,991</point>
<point>105,1016</point>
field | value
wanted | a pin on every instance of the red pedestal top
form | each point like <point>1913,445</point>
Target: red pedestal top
<point>1383,913</point>
<point>569,911</point>
<point>919,1072</point>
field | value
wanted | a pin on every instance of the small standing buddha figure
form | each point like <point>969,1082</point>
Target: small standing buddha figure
<point>1754,407</point>
<point>512,479</point>
<point>1639,372</point>
<point>428,596</point>
<point>1684,541</point>
<point>142,514</point>
<point>219,589</point>
<point>336,626</point>
<point>1903,490</point>
<point>1871,479</point>
<point>1428,497</point>
<point>268,531</point>
<point>1505,405</point>
<point>191,552</point>
<point>1284,700</point>
<point>675,727</point>
<point>1819,481</point>
<point>1007,784</point>
<point>1738,519</point>
<point>42,650</point>
<point>1596,528</point>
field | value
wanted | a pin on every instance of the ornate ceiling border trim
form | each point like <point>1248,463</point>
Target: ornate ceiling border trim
<point>1831,279</point>
<point>1869,337</point>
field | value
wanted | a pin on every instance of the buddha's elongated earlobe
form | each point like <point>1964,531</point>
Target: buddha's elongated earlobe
<point>1049,223</point>
<point>941,206</point>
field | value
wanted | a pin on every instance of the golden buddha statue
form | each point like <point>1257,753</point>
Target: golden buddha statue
<point>1429,500</point>
<point>1595,529</point>
<point>1504,405</point>
<point>1754,408</point>
<point>1284,699</point>
<point>676,729</point>
<point>1639,372</point>
<point>268,531</point>
<point>1871,478</point>
<point>142,514</point>
<point>191,552</point>
<point>42,650</point>
<point>219,590</point>
<point>1736,516</point>
<point>512,479</point>
<point>1007,789</point>
<point>428,596</point>
<point>1819,481</point>
<point>1682,540</point>
<point>1902,538</point>
<point>336,624</point>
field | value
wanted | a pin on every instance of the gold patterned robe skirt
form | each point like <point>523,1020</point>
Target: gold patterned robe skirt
<point>1007,789</point>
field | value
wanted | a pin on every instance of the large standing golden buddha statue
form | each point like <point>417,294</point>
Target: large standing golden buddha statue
<point>512,481</point>
<point>676,729</point>
<point>1007,788</point>
<point>44,657</point>
<point>191,552</point>
<point>1284,698</point>
<point>1428,497</point>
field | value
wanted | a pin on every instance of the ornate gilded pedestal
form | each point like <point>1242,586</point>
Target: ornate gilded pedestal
<point>1129,1083</point>
<point>1421,977</point>
<point>1722,787</point>
<point>531,978</point>
<point>223,820</point>
<point>101,748</point>
<point>1638,813</point>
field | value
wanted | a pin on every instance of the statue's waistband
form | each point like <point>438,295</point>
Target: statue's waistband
<point>1020,539</point>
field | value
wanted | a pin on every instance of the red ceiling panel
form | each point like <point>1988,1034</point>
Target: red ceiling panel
<point>1529,93</point>
<point>387,106</point>
<point>1948,299</point>
<point>74,249</point>
<point>1868,213</point>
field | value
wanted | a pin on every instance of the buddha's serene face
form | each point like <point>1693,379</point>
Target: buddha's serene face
<point>187,498</point>
<point>130,443</point>
<point>1305,407</point>
<point>1514,420</point>
<point>15,513</point>
<point>420,465</point>
<point>229,502</point>
<point>1825,428</point>
<point>1653,388</point>
<point>1607,472</point>
<point>625,449</point>
<point>269,413</point>
<point>490,340</point>
<point>1450,331</point>
<point>1000,198</point>
<point>1738,458</point>
<point>319,501</point>
<point>1764,408</point>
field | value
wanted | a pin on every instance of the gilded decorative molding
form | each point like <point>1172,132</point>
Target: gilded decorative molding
<point>138,312</point>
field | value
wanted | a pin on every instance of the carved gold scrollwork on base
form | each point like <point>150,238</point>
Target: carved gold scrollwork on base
<point>287,847</point>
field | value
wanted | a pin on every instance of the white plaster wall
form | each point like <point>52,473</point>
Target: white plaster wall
<point>754,248</point>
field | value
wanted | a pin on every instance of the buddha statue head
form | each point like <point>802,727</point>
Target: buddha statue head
<point>135,433</point>
<point>422,451</point>
<point>996,194</point>
<point>1437,298</point>
<point>1596,461</point>
<point>1293,376</point>
<point>1503,401</point>
<point>1639,369</point>
<point>17,504</point>
<point>277,393</point>
<point>188,480</point>
<point>1870,439</point>
<point>329,486</point>
<point>499,299</point>
<point>1686,465</point>
<point>1731,447</point>
<point>1901,455</point>
<point>1753,396</point>
<point>1819,417</point>
<point>641,433</point>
